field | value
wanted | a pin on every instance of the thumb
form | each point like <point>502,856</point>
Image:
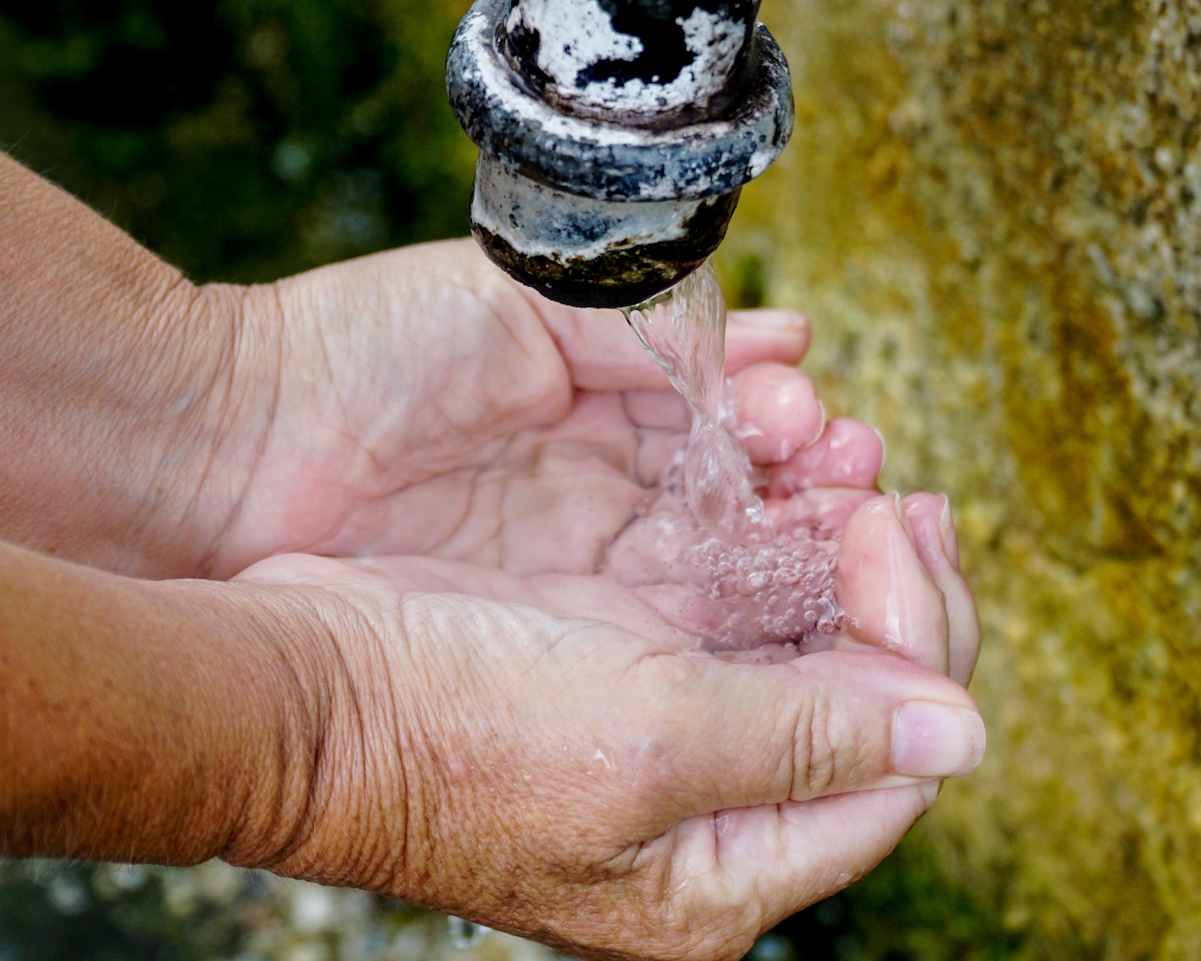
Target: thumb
<point>739,735</point>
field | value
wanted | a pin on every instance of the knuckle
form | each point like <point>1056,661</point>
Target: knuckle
<point>814,766</point>
<point>842,753</point>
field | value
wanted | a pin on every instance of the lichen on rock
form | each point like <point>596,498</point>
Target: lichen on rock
<point>991,211</point>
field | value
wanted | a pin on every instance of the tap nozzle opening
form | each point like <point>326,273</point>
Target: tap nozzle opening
<point>614,136</point>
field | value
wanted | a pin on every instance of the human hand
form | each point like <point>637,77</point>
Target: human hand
<point>561,777</point>
<point>158,429</point>
<point>372,396</point>
<point>426,404</point>
<point>570,780</point>
<point>300,416</point>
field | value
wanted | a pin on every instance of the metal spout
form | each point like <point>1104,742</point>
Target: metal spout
<point>614,136</point>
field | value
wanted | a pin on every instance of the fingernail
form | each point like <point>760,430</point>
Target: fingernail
<point>883,444</point>
<point>774,319</point>
<point>946,533</point>
<point>821,427</point>
<point>898,507</point>
<point>930,739</point>
<point>929,791</point>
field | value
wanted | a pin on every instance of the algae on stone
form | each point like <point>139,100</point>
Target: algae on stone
<point>992,211</point>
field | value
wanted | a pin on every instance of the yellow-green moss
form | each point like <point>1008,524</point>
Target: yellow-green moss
<point>991,211</point>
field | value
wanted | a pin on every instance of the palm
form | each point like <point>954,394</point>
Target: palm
<point>485,506</point>
<point>417,379</point>
<point>430,409</point>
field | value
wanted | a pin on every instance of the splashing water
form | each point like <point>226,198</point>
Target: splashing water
<point>752,581</point>
<point>685,331</point>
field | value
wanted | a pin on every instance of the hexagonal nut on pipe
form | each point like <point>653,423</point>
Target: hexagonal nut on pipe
<point>614,136</point>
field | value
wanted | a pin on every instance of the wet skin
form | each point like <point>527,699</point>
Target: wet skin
<point>527,745</point>
<point>401,672</point>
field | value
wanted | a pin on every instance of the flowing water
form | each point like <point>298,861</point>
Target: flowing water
<point>747,579</point>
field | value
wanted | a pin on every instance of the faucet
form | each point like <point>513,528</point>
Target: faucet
<point>614,135</point>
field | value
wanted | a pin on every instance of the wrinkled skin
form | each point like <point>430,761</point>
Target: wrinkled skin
<point>424,404</point>
<point>508,735</point>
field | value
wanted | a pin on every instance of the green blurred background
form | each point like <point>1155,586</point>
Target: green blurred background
<point>246,139</point>
<point>992,211</point>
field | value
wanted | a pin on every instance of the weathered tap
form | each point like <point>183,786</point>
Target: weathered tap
<point>614,135</point>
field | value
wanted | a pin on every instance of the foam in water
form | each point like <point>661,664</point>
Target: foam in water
<point>748,580</point>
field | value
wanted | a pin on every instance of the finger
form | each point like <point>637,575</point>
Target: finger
<point>929,517</point>
<point>789,856</point>
<point>598,347</point>
<point>757,335</point>
<point>712,735</point>
<point>848,454</point>
<point>602,352</point>
<point>826,508</point>
<point>890,597</point>
<point>657,410</point>
<point>657,451</point>
<point>777,412</point>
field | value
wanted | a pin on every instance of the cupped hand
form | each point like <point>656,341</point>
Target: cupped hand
<point>371,400</point>
<point>425,404</point>
<point>516,735</point>
<point>585,784</point>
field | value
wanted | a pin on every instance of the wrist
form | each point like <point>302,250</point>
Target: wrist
<point>347,818</point>
<point>163,722</point>
<point>264,721</point>
<point>219,391</point>
<point>122,386</point>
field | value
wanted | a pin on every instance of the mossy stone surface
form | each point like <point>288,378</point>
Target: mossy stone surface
<point>991,210</point>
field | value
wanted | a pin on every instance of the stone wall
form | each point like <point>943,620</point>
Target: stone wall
<point>991,211</point>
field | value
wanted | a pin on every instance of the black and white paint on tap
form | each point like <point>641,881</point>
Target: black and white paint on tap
<point>614,135</point>
<point>647,57</point>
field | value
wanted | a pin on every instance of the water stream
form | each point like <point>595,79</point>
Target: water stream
<point>751,579</point>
